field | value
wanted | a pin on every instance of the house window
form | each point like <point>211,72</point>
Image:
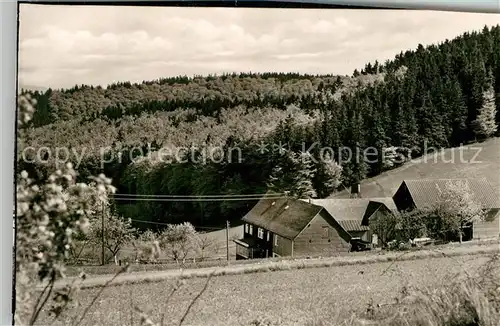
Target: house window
<point>260,233</point>
<point>326,232</point>
<point>250,231</point>
<point>246,228</point>
<point>276,240</point>
<point>268,236</point>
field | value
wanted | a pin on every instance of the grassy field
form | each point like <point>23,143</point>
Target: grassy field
<point>485,165</point>
<point>292,297</point>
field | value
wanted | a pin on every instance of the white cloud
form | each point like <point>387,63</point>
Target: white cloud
<point>65,45</point>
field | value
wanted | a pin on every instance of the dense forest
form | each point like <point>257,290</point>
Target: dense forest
<point>442,95</point>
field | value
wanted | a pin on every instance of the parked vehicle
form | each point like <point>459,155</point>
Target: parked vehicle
<point>419,242</point>
<point>360,245</point>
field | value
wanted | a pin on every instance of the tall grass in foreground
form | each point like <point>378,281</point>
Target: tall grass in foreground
<point>474,300</point>
<point>470,301</point>
<point>460,304</point>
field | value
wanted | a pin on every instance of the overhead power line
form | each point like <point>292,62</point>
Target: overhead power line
<point>272,195</point>
<point>166,224</point>
<point>193,199</point>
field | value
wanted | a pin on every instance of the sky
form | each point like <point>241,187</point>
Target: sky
<point>60,46</point>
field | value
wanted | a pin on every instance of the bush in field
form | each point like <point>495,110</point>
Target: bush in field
<point>146,247</point>
<point>49,214</point>
<point>148,236</point>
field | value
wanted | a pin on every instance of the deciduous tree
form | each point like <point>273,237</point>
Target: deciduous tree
<point>178,240</point>
<point>455,208</point>
<point>118,232</point>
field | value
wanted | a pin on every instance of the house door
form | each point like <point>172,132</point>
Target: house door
<point>467,232</point>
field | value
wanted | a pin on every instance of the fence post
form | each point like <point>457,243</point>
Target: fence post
<point>227,241</point>
<point>102,234</point>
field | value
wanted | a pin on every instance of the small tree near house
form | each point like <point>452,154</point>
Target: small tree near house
<point>385,227</point>
<point>203,244</point>
<point>401,226</point>
<point>455,208</point>
<point>411,225</point>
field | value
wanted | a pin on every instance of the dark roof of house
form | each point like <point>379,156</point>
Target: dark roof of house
<point>285,217</point>
<point>347,212</point>
<point>387,201</point>
<point>425,192</point>
<point>353,225</point>
<point>375,204</point>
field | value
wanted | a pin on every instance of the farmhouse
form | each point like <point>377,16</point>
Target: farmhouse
<point>288,227</point>
<point>351,213</point>
<point>424,193</point>
<point>291,227</point>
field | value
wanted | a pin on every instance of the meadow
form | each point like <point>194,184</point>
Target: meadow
<point>328,295</point>
<point>214,255</point>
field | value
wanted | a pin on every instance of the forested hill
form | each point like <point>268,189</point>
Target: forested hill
<point>442,95</point>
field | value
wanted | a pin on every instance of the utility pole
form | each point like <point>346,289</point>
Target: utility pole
<point>102,234</point>
<point>227,240</point>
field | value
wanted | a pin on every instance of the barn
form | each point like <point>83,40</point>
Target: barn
<point>424,193</point>
<point>353,213</point>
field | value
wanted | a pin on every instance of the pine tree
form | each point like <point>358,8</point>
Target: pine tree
<point>477,80</point>
<point>305,174</point>
<point>377,139</point>
<point>328,176</point>
<point>456,112</point>
<point>430,121</point>
<point>293,174</point>
<point>485,125</point>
